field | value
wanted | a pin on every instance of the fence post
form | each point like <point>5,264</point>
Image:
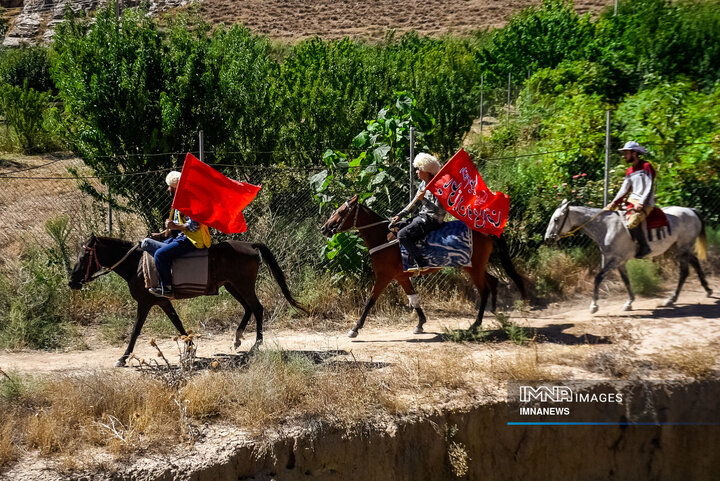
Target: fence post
<point>507,119</point>
<point>607,167</point>
<point>607,157</point>
<point>202,147</point>
<point>482,92</point>
<point>412,156</point>
<point>110,219</point>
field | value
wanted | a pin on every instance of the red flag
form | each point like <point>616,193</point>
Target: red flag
<point>460,189</point>
<point>207,196</point>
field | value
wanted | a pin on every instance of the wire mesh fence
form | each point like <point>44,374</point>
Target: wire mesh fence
<point>287,216</point>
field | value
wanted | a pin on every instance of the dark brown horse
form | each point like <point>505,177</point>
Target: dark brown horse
<point>232,264</point>
<point>387,262</point>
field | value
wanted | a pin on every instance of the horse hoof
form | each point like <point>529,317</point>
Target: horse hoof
<point>352,333</point>
<point>418,330</point>
<point>236,344</point>
<point>627,307</point>
<point>709,292</point>
<point>669,303</point>
<point>594,309</point>
<point>120,363</point>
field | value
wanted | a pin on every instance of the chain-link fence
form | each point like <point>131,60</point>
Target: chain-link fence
<point>58,199</point>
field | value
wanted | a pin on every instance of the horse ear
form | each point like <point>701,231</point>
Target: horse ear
<point>564,203</point>
<point>354,199</point>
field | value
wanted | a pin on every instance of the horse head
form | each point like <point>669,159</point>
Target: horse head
<point>343,218</point>
<point>86,265</point>
<point>558,222</point>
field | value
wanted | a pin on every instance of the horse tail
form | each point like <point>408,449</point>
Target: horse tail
<point>278,274</point>
<point>701,241</point>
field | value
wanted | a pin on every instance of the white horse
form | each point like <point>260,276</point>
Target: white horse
<point>607,228</point>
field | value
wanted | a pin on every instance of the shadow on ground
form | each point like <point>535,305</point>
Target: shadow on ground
<point>553,333</point>
<point>330,359</point>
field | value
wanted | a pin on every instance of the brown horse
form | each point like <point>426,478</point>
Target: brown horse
<point>232,264</point>
<point>387,262</point>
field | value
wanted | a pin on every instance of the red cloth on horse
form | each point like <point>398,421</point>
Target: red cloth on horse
<point>656,219</point>
<point>462,192</point>
<point>207,196</point>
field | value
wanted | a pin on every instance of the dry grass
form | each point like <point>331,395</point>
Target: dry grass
<point>524,365</point>
<point>691,361</point>
<point>8,449</point>
<point>133,413</point>
<point>301,19</point>
<point>565,355</point>
<point>62,416</point>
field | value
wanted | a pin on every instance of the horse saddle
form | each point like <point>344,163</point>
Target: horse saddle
<point>190,274</point>
<point>656,221</point>
<point>448,246</point>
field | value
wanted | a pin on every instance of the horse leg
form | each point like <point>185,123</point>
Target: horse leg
<point>631,297</point>
<point>684,271</point>
<point>252,304</point>
<point>142,312</point>
<point>491,285</point>
<point>609,265</point>
<point>246,315</point>
<point>377,289</point>
<point>490,288</point>
<point>478,278</point>
<point>169,310</point>
<point>696,265</point>
<point>414,301</point>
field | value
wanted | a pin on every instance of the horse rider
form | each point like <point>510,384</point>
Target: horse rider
<point>183,235</point>
<point>431,212</point>
<point>639,188</point>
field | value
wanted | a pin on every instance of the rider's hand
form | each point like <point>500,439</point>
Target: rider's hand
<point>639,208</point>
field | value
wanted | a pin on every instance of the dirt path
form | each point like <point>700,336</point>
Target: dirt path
<point>650,329</point>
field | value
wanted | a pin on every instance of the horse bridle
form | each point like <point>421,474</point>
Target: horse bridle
<point>573,230</point>
<point>566,215</point>
<point>347,213</point>
<point>99,272</point>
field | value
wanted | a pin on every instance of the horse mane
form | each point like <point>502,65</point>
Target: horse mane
<point>115,242</point>
<point>370,211</point>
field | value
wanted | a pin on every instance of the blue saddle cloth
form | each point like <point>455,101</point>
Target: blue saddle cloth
<point>448,246</point>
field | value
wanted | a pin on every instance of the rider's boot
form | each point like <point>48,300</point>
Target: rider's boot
<point>638,234</point>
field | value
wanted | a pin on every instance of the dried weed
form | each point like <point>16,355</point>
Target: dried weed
<point>691,361</point>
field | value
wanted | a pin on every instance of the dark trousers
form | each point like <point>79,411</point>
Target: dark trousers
<point>418,228</point>
<point>164,255</point>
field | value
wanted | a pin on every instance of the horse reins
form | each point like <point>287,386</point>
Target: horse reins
<point>572,232</point>
<point>99,272</point>
<point>354,224</point>
<point>366,226</point>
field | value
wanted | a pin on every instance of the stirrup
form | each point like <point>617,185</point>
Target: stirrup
<point>161,292</point>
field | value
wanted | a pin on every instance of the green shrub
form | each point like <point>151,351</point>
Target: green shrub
<point>28,112</point>
<point>644,277</point>
<point>26,64</point>
<point>37,311</point>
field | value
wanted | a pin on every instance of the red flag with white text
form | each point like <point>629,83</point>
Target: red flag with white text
<point>207,196</point>
<point>461,190</point>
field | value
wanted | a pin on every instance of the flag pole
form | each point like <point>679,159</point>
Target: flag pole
<point>412,156</point>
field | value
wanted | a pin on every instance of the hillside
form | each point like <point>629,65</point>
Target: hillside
<point>33,20</point>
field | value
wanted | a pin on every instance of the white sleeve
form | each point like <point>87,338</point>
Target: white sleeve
<point>644,187</point>
<point>624,189</point>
